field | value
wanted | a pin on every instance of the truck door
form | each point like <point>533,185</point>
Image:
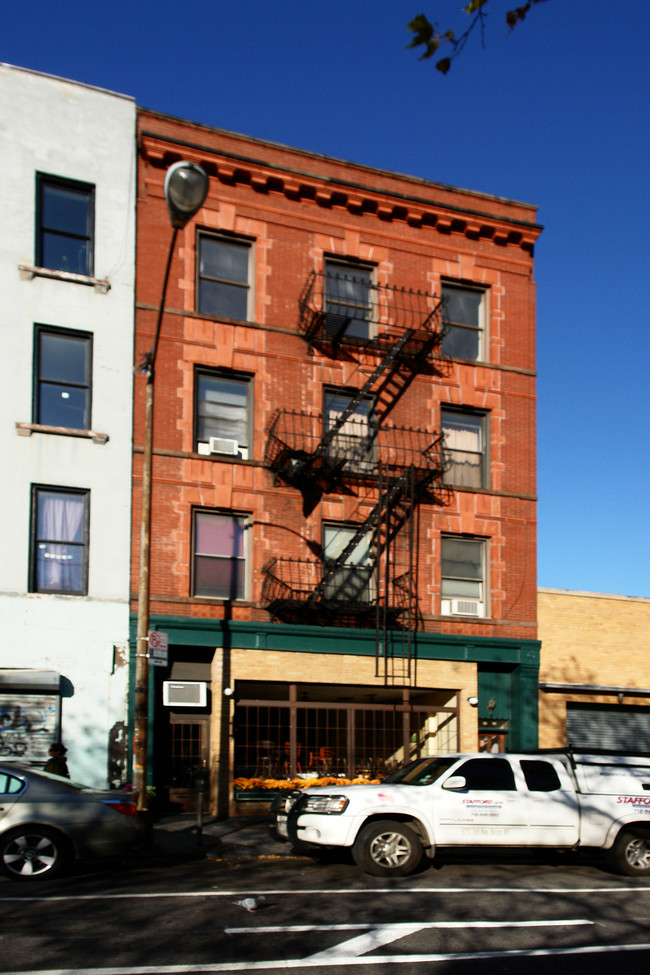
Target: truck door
<point>485,810</point>
<point>554,816</point>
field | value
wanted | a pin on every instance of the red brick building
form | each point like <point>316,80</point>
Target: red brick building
<point>344,510</point>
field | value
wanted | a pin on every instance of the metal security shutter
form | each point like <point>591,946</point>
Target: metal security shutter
<point>624,727</point>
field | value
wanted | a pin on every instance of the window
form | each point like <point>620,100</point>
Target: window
<point>540,776</point>
<point>223,286</point>
<point>464,448</point>
<point>10,785</point>
<point>353,580</point>
<point>355,440</point>
<point>65,213</point>
<point>59,553</point>
<point>463,313</point>
<point>62,370</point>
<point>219,556</point>
<point>223,414</point>
<point>488,775</point>
<point>463,586</point>
<point>347,300</point>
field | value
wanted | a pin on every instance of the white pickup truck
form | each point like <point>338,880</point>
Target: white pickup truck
<point>558,800</point>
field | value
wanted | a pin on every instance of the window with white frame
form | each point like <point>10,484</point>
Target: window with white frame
<point>223,289</point>
<point>355,438</point>
<point>464,448</point>
<point>463,576</point>
<point>219,555</point>
<point>65,217</point>
<point>463,317</point>
<point>353,580</point>
<point>62,378</point>
<point>59,541</point>
<point>223,414</point>
<point>347,299</point>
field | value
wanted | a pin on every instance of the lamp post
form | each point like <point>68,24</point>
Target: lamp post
<point>186,187</point>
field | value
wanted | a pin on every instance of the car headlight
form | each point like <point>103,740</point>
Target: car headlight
<point>328,805</point>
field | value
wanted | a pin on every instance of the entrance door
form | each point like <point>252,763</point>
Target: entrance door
<point>189,750</point>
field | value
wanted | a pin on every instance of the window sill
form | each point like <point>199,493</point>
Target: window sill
<point>27,429</point>
<point>29,271</point>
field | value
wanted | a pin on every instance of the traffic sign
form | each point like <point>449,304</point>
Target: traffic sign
<point>158,646</point>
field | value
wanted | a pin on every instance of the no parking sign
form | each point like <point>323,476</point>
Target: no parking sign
<point>158,644</point>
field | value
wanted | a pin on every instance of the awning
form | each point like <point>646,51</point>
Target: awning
<point>30,681</point>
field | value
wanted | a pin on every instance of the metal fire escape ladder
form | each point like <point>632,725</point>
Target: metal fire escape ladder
<point>386,365</point>
<point>388,499</point>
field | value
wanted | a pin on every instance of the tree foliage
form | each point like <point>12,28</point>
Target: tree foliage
<point>435,40</point>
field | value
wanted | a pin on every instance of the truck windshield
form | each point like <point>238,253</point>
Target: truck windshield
<point>424,771</point>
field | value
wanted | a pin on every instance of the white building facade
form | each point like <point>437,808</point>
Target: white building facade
<point>67,265</point>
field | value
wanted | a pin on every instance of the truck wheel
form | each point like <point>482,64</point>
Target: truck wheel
<point>387,848</point>
<point>631,852</point>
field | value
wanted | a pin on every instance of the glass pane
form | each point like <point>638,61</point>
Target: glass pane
<point>223,578</point>
<point>220,535</point>
<point>461,589</point>
<point>462,431</point>
<point>66,209</point>
<point>462,307</point>
<point>65,254</point>
<point>222,409</point>
<point>462,558</point>
<point>347,300</point>
<point>228,300</point>
<point>60,517</point>
<point>63,358</point>
<point>61,406</point>
<point>59,568</point>
<point>335,539</point>
<point>460,343</point>
<point>223,259</point>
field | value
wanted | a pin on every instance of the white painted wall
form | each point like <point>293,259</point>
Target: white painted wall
<point>72,131</point>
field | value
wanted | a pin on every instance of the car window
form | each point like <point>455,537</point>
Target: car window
<point>10,785</point>
<point>488,774</point>
<point>540,776</point>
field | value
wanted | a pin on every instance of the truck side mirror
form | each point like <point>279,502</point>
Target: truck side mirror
<point>455,783</point>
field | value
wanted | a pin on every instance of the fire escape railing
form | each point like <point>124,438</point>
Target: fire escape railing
<point>387,314</point>
<point>297,447</point>
<point>343,587</point>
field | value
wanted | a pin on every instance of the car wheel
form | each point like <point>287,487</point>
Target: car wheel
<point>387,848</point>
<point>631,852</point>
<point>32,853</point>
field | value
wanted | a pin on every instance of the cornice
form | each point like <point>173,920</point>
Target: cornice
<point>330,192</point>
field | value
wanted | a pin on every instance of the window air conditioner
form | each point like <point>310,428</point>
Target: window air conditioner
<point>223,445</point>
<point>462,607</point>
<point>185,693</point>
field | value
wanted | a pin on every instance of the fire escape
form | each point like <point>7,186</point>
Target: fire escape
<point>367,575</point>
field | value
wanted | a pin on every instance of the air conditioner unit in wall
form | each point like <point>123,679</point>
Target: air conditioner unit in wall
<point>223,445</point>
<point>185,693</point>
<point>462,607</point>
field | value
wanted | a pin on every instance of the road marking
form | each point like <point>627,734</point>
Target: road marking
<point>318,961</point>
<point>126,895</point>
<point>300,928</point>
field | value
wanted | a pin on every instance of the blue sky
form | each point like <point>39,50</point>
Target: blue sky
<point>555,114</point>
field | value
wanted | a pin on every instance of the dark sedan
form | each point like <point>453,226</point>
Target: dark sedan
<point>46,821</point>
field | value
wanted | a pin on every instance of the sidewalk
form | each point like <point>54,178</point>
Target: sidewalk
<point>245,837</point>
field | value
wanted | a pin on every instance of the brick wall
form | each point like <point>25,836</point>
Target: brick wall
<point>589,638</point>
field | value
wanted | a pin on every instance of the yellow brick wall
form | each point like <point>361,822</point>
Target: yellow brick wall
<point>314,668</point>
<point>589,638</point>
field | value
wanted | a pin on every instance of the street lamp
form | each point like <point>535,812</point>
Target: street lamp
<point>186,187</point>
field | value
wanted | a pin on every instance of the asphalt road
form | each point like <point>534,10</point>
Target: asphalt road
<point>186,916</point>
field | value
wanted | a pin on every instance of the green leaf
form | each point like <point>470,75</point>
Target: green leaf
<point>473,6</point>
<point>444,64</point>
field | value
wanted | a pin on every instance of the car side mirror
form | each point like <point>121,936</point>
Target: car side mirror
<point>456,783</point>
